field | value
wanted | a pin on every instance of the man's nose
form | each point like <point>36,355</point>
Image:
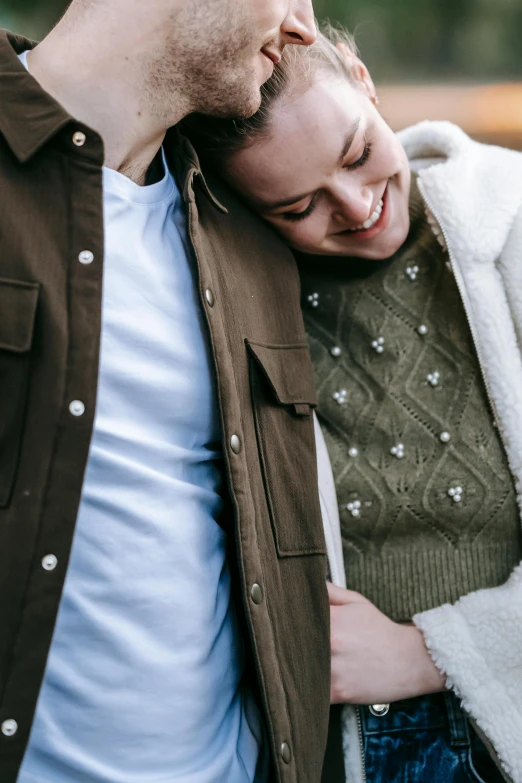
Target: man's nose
<point>299,26</point>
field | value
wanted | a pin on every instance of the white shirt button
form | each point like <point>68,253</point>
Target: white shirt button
<point>209,297</point>
<point>86,257</point>
<point>79,139</point>
<point>77,408</point>
<point>9,727</point>
<point>49,562</point>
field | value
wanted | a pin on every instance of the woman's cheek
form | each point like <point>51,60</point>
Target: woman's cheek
<point>287,231</point>
<point>307,236</point>
<point>384,164</point>
<point>397,160</point>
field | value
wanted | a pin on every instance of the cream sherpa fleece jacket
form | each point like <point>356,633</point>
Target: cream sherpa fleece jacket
<point>474,192</point>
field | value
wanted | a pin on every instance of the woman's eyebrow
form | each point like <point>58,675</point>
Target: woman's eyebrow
<point>350,136</point>
<point>349,139</point>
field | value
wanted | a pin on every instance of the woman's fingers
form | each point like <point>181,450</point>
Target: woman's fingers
<point>339,596</point>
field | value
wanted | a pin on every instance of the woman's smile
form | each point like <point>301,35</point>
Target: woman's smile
<point>374,225</point>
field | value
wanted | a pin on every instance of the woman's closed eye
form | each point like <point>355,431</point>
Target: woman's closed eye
<point>363,159</point>
<point>294,217</point>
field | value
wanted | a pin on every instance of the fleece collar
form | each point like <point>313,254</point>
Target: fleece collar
<point>474,190</point>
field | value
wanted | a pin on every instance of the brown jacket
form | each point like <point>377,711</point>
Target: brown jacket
<point>51,270</point>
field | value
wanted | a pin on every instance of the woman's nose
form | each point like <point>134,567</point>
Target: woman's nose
<point>353,206</point>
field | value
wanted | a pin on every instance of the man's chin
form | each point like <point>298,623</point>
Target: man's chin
<point>238,103</point>
<point>242,110</point>
<point>250,108</point>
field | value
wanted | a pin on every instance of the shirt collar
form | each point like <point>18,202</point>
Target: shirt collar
<point>30,117</point>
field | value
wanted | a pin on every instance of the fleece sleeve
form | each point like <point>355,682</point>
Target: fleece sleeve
<point>477,644</point>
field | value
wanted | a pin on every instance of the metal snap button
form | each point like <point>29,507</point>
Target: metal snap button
<point>257,594</point>
<point>235,444</point>
<point>209,296</point>
<point>379,710</point>
<point>286,753</point>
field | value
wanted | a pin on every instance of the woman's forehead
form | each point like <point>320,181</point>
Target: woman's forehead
<point>323,109</point>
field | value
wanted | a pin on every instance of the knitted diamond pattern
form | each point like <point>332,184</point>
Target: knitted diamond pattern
<point>427,502</point>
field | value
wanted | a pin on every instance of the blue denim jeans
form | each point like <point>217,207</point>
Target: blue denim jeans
<point>425,740</point>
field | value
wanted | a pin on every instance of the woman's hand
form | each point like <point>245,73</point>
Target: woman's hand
<point>375,660</point>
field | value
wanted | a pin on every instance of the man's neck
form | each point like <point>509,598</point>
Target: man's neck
<point>105,92</point>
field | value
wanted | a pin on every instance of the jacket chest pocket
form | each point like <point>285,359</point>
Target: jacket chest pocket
<point>18,302</point>
<point>283,392</point>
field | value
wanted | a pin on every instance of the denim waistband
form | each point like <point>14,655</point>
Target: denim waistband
<point>424,713</point>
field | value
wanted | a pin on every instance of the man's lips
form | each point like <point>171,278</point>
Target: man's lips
<point>274,55</point>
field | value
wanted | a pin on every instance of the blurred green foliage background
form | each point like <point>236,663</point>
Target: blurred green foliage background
<point>401,40</point>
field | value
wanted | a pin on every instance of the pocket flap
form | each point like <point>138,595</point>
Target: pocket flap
<point>282,385</point>
<point>288,369</point>
<point>18,302</point>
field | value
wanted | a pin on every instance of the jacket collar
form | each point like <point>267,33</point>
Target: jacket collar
<point>184,161</point>
<point>30,117</point>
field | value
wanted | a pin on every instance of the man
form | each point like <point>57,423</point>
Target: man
<point>164,614</point>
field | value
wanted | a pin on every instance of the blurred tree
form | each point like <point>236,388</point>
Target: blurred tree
<point>434,39</point>
<point>399,39</point>
<point>31,17</point>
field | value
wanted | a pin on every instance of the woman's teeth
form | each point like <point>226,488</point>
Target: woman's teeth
<point>372,220</point>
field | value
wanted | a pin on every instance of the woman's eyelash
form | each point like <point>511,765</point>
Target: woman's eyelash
<point>293,217</point>
<point>363,159</point>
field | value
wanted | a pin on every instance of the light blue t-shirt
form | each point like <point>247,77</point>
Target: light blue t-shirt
<point>143,682</point>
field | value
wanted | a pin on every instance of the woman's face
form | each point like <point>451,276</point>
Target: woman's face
<point>332,177</point>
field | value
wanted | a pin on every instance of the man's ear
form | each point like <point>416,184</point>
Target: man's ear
<point>358,71</point>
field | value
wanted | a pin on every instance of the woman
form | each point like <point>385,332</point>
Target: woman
<point>410,251</point>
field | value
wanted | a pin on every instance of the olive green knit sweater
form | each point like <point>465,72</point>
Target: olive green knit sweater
<point>427,503</point>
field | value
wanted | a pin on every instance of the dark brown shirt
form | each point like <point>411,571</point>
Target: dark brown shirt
<point>50,315</point>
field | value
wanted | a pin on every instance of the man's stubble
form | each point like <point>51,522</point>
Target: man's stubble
<point>209,56</point>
